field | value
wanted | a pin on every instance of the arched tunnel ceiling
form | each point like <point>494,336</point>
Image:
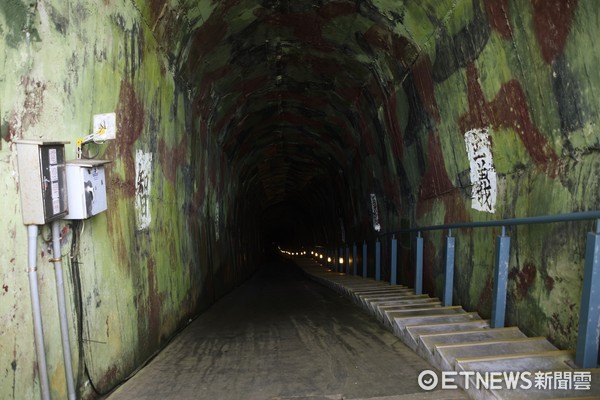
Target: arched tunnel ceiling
<point>285,86</point>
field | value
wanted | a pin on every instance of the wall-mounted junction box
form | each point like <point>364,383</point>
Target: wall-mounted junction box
<point>42,180</point>
<point>86,181</point>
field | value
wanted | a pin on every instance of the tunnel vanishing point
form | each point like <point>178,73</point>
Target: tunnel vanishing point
<point>246,124</point>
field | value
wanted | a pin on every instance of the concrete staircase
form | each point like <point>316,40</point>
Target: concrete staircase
<point>451,339</point>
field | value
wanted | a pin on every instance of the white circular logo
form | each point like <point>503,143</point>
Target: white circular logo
<point>428,380</point>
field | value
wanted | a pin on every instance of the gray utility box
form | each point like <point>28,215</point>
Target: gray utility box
<point>86,181</point>
<point>42,180</point>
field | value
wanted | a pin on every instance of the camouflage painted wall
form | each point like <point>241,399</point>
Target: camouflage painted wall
<point>245,121</point>
<point>138,272</point>
<point>521,71</point>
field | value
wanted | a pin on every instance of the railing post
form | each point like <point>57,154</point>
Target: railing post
<point>377,260</point>
<point>347,260</point>
<point>394,265</point>
<point>449,270</point>
<point>364,255</point>
<point>419,266</point>
<point>500,280</point>
<point>354,267</point>
<point>586,355</point>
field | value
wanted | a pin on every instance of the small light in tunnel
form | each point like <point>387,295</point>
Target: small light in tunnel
<point>328,259</point>
<point>341,260</point>
<point>312,252</point>
<point>321,256</point>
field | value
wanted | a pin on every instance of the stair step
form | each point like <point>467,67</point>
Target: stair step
<point>405,306</point>
<point>452,339</point>
<point>427,343</point>
<point>382,293</point>
<point>382,312</point>
<point>431,340</point>
<point>550,361</point>
<point>401,324</point>
<point>543,361</point>
<point>384,297</point>
<point>389,316</point>
<point>444,356</point>
<point>376,306</point>
<point>413,298</point>
<point>415,331</point>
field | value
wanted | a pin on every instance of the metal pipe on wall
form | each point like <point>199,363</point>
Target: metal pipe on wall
<point>32,233</point>
<point>62,309</point>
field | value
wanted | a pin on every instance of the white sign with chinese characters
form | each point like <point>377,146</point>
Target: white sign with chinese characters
<point>143,177</point>
<point>482,172</point>
<point>375,213</point>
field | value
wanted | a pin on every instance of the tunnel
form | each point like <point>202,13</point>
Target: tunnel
<point>244,128</point>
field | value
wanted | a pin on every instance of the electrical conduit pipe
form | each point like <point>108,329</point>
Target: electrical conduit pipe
<point>62,309</point>
<point>32,233</point>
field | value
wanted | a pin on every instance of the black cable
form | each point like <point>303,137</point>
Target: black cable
<point>87,156</point>
<point>83,370</point>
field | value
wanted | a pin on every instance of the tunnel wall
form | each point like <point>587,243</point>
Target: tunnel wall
<point>164,249</point>
<point>512,82</point>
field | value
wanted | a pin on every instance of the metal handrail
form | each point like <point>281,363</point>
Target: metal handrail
<point>540,219</point>
<point>587,340</point>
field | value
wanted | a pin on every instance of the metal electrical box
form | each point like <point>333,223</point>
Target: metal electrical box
<point>86,181</point>
<point>42,180</point>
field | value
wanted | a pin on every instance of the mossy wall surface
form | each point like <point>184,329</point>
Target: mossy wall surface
<point>61,63</point>
<point>242,122</point>
<point>523,72</point>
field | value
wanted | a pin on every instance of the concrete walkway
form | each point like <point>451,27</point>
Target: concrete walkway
<point>282,336</point>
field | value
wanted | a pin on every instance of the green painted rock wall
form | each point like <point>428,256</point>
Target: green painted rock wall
<point>241,117</point>
<point>163,250</point>
<point>522,72</point>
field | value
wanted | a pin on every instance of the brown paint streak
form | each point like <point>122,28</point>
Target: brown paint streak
<point>523,278</point>
<point>392,190</point>
<point>109,378</point>
<point>552,21</point>
<point>337,9</point>
<point>497,12</point>
<point>307,27</point>
<point>423,78</point>
<point>455,209</point>
<point>321,65</point>
<point>29,115</point>
<point>509,109</point>
<point>390,104</point>
<point>130,124</point>
<point>171,159</point>
<point>384,39</point>
<point>154,300</point>
<point>366,136</point>
<point>435,182</point>
<point>207,38</point>
<point>156,8</point>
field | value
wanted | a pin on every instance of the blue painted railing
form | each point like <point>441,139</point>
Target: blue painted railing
<point>587,353</point>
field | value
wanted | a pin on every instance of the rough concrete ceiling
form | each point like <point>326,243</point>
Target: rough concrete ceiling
<point>288,88</point>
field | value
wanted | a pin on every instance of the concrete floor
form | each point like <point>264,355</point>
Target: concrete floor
<point>282,336</point>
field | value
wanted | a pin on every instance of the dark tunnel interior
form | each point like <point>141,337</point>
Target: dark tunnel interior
<point>300,95</point>
<point>246,126</point>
